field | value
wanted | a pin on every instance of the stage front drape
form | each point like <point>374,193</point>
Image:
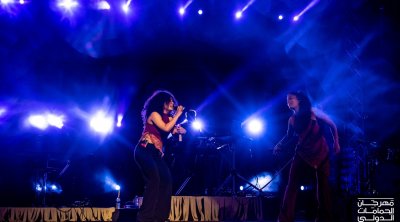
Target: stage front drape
<point>184,208</point>
<point>211,208</point>
<point>56,214</point>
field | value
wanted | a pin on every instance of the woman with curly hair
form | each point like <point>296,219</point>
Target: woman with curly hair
<point>159,120</point>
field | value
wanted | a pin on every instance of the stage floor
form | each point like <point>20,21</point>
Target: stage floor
<point>186,208</point>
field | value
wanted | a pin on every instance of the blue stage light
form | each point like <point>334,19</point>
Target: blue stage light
<point>103,5</point>
<point>67,4</point>
<point>181,10</point>
<point>101,123</point>
<point>38,121</point>
<point>238,14</point>
<point>198,125</point>
<point>254,126</point>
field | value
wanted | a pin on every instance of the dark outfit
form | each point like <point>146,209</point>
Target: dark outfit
<point>156,204</point>
<point>311,152</point>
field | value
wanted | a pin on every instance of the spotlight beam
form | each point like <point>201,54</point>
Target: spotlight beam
<point>239,13</point>
<point>183,8</point>
<point>68,4</point>
<point>248,5</point>
<point>308,7</point>
<point>126,5</point>
<point>188,3</point>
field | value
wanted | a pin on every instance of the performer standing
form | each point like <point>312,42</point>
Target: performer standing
<point>311,153</point>
<point>159,119</point>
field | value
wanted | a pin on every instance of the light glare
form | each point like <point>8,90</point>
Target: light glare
<point>117,187</point>
<point>182,10</point>
<point>68,4</point>
<point>2,111</point>
<point>5,2</point>
<point>238,14</point>
<point>125,8</point>
<point>119,120</point>
<point>266,181</point>
<point>254,126</point>
<point>197,125</point>
<point>103,5</point>
<point>101,123</point>
<point>38,188</point>
<point>38,121</point>
<point>54,120</point>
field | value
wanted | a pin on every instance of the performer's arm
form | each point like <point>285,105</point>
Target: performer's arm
<point>334,131</point>
<point>178,129</point>
<point>155,118</point>
<point>289,136</point>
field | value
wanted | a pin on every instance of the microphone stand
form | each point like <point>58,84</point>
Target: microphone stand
<point>234,174</point>
<point>278,172</point>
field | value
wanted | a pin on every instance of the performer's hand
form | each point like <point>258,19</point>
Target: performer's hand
<point>179,110</point>
<point>180,129</point>
<point>336,147</point>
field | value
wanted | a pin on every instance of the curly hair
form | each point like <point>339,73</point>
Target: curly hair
<point>155,103</point>
<point>303,116</point>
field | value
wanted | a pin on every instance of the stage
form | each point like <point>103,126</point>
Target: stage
<point>191,208</point>
<point>184,208</point>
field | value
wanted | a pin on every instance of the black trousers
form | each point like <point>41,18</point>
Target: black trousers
<point>156,204</point>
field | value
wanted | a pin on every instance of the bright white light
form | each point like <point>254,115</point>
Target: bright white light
<point>101,123</point>
<point>103,5</point>
<point>67,4</point>
<point>302,188</point>
<point>238,14</point>
<point>109,183</point>
<point>125,6</point>
<point>254,126</point>
<point>2,111</point>
<point>21,2</point>
<point>197,125</point>
<point>38,188</point>
<point>54,120</point>
<point>200,12</point>
<point>265,178</point>
<point>241,188</point>
<point>5,2</point>
<point>309,6</point>
<point>181,10</point>
<point>45,120</point>
<point>280,17</point>
<point>119,120</point>
<point>38,121</point>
